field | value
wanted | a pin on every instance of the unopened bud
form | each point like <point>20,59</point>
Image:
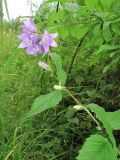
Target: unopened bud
<point>78,107</point>
<point>57,87</point>
<point>98,128</point>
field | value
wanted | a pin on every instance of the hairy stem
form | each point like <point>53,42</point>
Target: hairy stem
<point>84,107</point>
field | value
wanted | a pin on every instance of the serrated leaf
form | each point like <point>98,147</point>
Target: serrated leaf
<point>107,35</point>
<point>78,31</point>
<point>116,28</point>
<point>44,102</point>
<point>61,74</point>
<point>97,30</point>
<point>107,47</point>
<point>82,11</point>
<point>114,119</point>
<point>106,68</point>
<point>71,7</point>
<point>106,25</point>
<point>101,115</point>
<point>107,3</point>
<point>97,147</point>
<point>91,4</point>
<point>63,31</point>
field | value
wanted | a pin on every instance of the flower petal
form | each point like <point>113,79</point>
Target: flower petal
<point>43,65</point>
<point>22,45</point>
<point>23,36</point>
<point>54,35</point>
<point>54,44</point>
<point>29,26</point>
<point>30,50</point>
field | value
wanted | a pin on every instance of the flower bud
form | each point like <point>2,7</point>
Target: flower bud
<point>78,107</point>
<point>57,87</point>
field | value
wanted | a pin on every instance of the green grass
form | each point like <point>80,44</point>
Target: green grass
<point>54,134</point>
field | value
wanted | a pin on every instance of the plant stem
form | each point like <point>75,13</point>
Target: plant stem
<point>11,152</point>
<point>75,53</point>
<point>84,107</point>
<point>57,9</point>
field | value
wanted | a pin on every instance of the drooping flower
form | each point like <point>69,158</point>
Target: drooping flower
<point>34,43</point>
<point>47,40</point>
<point>29,26</point>
<point>23,36</point>
<point>35,49</point>
<point>27,40</point>
<point>43,65</point>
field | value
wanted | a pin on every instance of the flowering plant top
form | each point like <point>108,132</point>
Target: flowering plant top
<point>33,42</point>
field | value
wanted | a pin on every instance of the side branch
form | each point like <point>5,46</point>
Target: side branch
<point>75,53</point>
<point>57,9</point>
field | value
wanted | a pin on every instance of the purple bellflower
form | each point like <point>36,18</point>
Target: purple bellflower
<point>47,40</point>
<point>29,26</point>
<point>34,43</point>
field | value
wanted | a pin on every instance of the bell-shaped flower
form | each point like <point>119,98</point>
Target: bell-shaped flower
<point>35,49</point>
<point>29,26</point>
<point>47,40</point>
<point>27,40</point>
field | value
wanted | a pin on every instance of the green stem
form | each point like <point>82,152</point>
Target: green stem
<point>84,107</point>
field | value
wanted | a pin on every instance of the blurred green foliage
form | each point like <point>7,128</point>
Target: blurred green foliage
<point>89,43</point>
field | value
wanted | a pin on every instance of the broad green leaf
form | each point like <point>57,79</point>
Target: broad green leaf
<point>97,30</point>
<point>106,68</point>
<point>71,7</point>
<point>63,31</point>
<point>116,28</point>
<point>107,47</point>
<point>107,3</point>
<point>106,25</point>
<point>78,31</point>
<point>114,119</point>
<point>82,11</point>
<point>97,147</point>
<point>61,74</point>
<point>56,17</point>
<point>101,115</point>
<point>107,35</point>
<point>113,53</point>
<point>91,4</point>
<point>44,102</point>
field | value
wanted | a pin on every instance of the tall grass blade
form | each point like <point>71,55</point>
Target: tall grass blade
<point>7,11</point>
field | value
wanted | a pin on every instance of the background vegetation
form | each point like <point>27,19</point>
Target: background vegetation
<point>89,43</point>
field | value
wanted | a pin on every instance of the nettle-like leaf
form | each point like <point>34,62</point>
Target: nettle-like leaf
<point>107,47</point>
<point>97,55</point>
<point>101,115</point>
<point>107,3</point>
<point>91,4</point>
<point>116,28</point>
<point>114,119</point>
<point>106,68</point>
<point>63,31</point>
<point>61,74</point>
<point>97,147</point>
<point>45,102</point>
<point>71,7</point>
<point>78,31</point>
